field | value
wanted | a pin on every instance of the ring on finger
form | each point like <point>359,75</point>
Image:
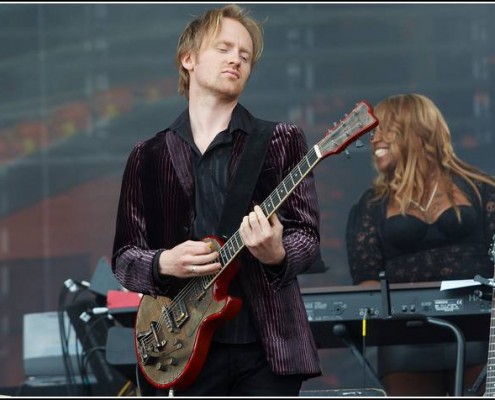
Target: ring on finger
<point>193,268</point>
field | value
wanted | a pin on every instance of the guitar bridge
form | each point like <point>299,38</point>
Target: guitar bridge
<point>149,344</point>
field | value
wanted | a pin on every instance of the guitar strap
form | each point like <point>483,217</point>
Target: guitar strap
<point>240,191</point>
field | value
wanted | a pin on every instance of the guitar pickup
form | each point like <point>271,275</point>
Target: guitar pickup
<point>175,316</point>
<point>199,291</point>
<point>180,314</point>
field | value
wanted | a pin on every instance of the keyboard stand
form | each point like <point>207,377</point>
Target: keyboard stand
<point>341,331</point>
<point>418,319</point>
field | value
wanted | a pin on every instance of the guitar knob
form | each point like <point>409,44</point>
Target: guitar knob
<point>159,366</point>
<point>178,344</point>
<point>171,361</point>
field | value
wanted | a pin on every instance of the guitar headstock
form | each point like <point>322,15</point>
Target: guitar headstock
<point>355,124</point>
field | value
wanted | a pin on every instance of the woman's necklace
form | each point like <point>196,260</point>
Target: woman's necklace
<point>424,209</point>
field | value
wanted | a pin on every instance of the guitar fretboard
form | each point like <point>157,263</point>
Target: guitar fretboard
<point>235,244</point>
<point>490,367</point>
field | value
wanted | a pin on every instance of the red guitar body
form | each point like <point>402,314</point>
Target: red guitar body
<point>174,335</point>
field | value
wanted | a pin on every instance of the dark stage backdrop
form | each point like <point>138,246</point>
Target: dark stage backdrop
<point>81,83</point>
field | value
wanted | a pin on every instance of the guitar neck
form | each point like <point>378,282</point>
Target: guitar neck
<point>490,367</point>
<point>287,186</point>
<point>235,244</point>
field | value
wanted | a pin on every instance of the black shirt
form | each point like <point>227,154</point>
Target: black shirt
<point>211,180</point>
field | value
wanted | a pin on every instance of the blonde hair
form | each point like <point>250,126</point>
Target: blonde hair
<point>421,144</point>
<point>208,25</point>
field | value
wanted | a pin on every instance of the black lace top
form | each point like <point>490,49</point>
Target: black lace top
<point>411,250</point>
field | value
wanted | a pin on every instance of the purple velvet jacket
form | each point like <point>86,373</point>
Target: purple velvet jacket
<point>156,211</point>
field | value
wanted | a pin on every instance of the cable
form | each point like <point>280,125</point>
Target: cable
<point>341,331</point>
<point>138,381</point>
<point>69,286</point>
<point>473,391</point>
<point>69,371</point>
<point>84,355</point>
<point>90,353</point>
<point>363,335</point>
<point>86,358</point>
<point>74,286</point>
<point>124,388</point>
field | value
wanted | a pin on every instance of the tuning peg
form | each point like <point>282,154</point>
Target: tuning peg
<point>359,144</point>
<point>347,153</point>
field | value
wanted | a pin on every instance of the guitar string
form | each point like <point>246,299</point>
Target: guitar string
<point>161,320</point>
<point>490,378</point>
<point>288,179</point>
<point>189,288</point>
<point>186,291</point>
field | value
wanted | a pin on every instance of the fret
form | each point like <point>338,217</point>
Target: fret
<point>231,247</point>
<point>490,376</point>
<point>305,167</point>
<point>296,174</point>
<point>291,180</point>
<point>282,193</point>
<point>265,208</point>
<point>223,257</point>
<point>238,240</point>
<point>226,251</point>
<point>312,157</point>
<point>288,186</point>
<point>268,207</point>
<point>490,367</point>
<point>276,200</point>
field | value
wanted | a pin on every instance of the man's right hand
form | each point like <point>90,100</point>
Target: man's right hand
<point>189,259</point>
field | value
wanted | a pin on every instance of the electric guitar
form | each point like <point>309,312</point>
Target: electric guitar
<point>173,335</point>
<point>490,366</point>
